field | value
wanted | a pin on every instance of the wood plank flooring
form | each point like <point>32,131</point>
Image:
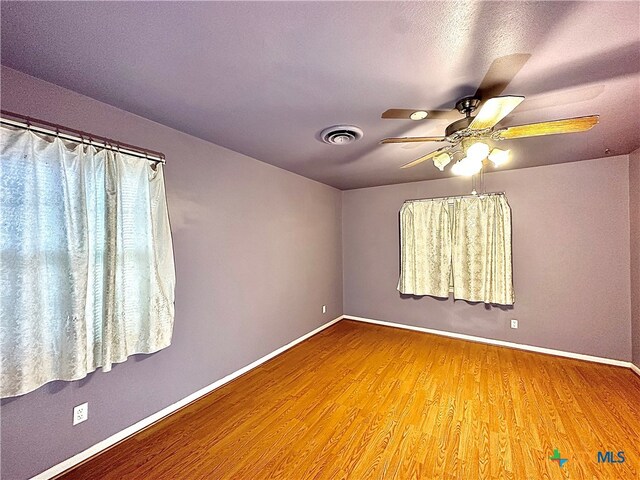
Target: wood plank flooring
<point>360,401</point>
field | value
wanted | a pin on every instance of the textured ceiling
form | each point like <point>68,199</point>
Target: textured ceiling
<point>265,78</point>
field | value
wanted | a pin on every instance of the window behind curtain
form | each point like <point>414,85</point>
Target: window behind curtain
<point>461,246</point>
<point>86,260</point>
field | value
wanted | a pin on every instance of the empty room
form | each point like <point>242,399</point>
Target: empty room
<point>319,240</point>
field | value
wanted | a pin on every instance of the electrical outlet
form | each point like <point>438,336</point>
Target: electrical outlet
<point>514,323</point>
<point>80,413</point>
<point>324,309</point>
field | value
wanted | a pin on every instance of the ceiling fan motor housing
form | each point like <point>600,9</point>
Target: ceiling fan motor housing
<point>458,125</point>
<point>467,105</point>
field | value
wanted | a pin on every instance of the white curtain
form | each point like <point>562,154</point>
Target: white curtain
<point>466,244</point>
<point>425,248</point>
<point>86,260</point>
<point>482,250</point>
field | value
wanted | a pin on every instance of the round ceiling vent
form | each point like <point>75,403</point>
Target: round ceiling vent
<point>341,134</point>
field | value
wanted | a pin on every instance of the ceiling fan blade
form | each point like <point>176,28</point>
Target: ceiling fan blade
<point>412,139</point>
<point>398,113</point>
<point>405,114</point>
<point>500,74</point>
<point>494,110</point>
<point>424,158</point>
<point>566,125</point>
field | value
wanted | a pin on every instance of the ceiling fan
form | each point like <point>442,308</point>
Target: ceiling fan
<point>468,137</point>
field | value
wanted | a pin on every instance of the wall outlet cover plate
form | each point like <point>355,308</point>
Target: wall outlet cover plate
<point>80,413</point>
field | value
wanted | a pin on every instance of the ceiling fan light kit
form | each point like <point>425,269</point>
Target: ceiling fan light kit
<point>473,135</point>
<point>476,156</point>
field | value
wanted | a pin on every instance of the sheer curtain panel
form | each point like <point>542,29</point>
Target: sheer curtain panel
<point>481,255</point>
<point>425,248</point>
<point>86,260</point>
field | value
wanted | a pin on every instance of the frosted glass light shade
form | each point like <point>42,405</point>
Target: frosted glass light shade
<point>467,167</point>
<point>478,151</point>
<point>442,161</point>
<point>473,166</point>
<point>498,156</point>
<point>457,167</point>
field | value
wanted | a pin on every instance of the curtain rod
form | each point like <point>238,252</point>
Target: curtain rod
<point>22,121</point>
<point>453,197</point>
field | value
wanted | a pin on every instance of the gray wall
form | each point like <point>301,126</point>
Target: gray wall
<point>634,218</point>
<point>570,258</point>
<point>258,252</point>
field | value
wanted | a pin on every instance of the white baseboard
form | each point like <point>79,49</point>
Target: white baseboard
<point>490,341</point>
<point>635,368</point>
<point>121,435</point>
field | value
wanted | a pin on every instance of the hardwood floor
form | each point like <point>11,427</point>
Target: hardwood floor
<point>360,401</point>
